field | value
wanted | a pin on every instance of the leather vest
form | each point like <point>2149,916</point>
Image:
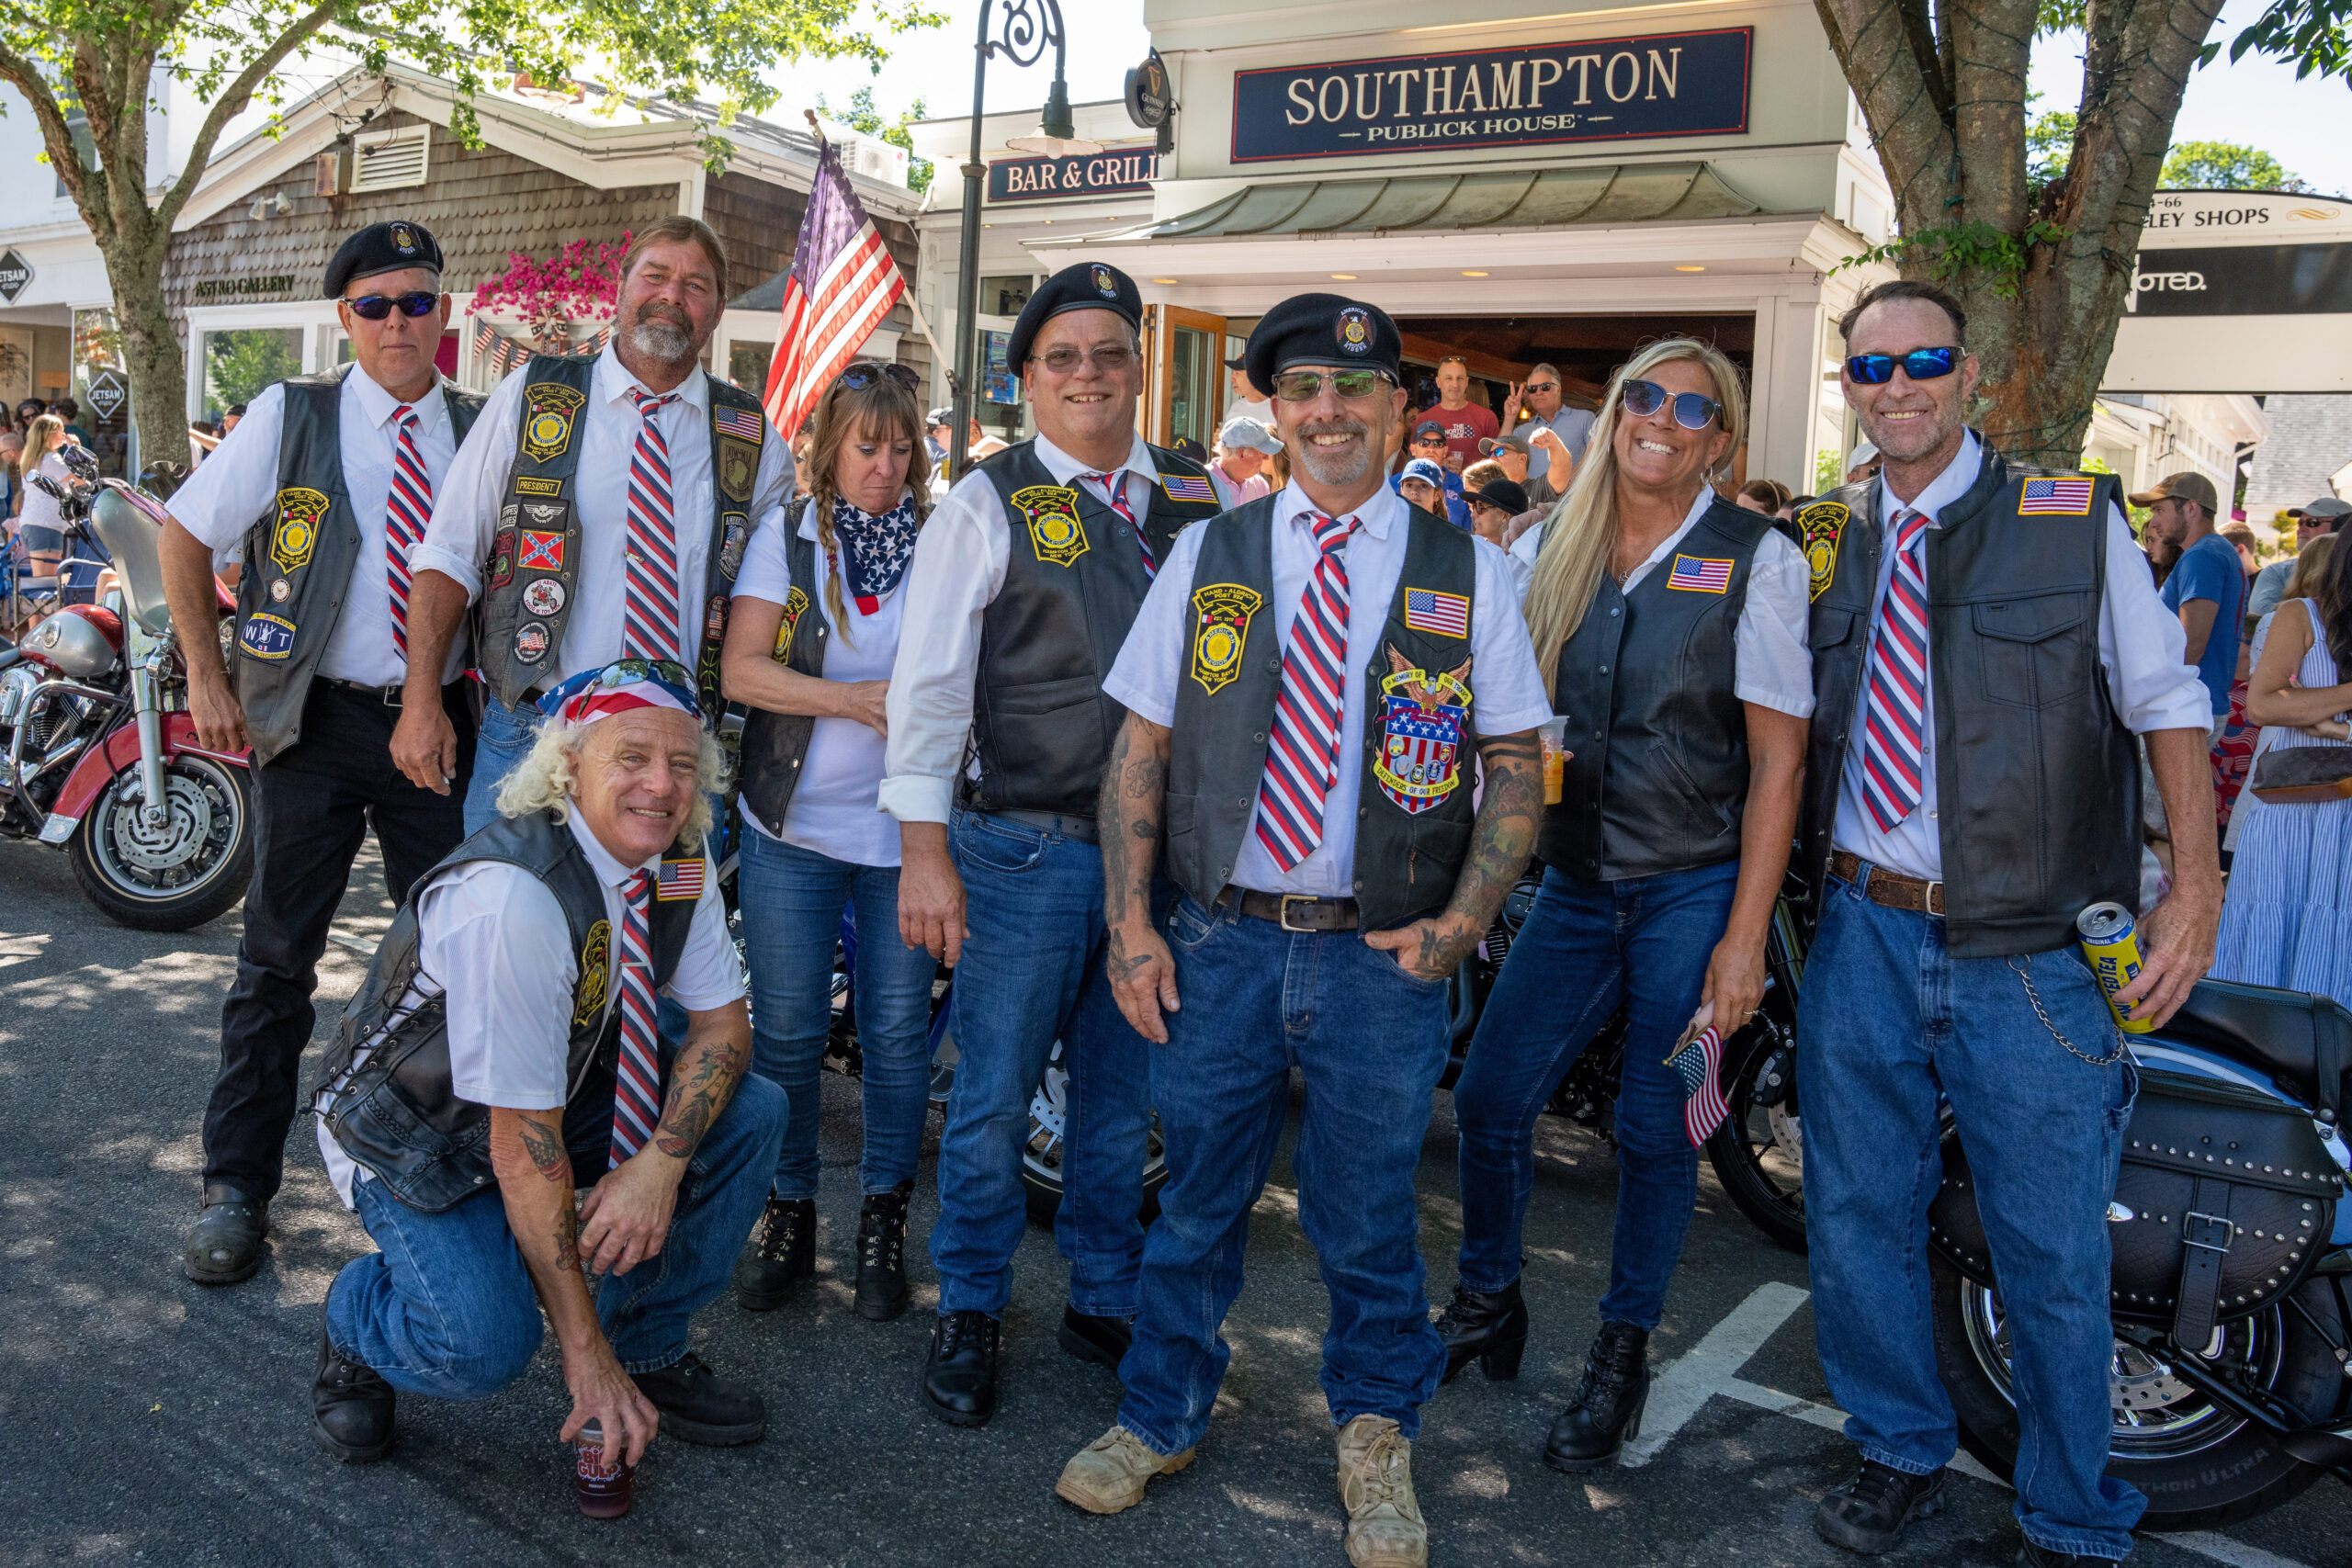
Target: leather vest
<point>396,1114</point>
<point>1413,811</point>
<point>776,744</point>
<point>534,572</point>
<point>1657,778</point>
<point>2037,779</point>
<point>298,558</point>
<point>1074,578</point>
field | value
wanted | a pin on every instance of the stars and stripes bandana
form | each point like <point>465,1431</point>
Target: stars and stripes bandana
<point>1892,760</point>
<point>406,509</point>
<point>1115,491</point>
<point>874,549</point>
<point>1303,756</point>
<point>637,1077</point>
<point>650,600</point>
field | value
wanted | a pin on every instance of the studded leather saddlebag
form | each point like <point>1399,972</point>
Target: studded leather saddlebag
<point>2225,1198</point>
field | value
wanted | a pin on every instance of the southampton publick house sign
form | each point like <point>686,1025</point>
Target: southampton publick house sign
<point>1616,89</point>
<point>1110,173</point>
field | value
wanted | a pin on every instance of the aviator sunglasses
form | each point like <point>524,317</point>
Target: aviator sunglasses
<point>1920,364</point>
<point>1305,386</point>
<point>857,378</point>
<point>376,307</point>
<point>1691,412</point>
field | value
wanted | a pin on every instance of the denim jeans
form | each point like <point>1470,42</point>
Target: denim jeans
<point>1588,946</point>
<point>1889,1017</point>
<point>1372,1040</point>
<point>503,740</point>
<point>1032,972</point>
<point>445,1306</point>
<point>792,901</point>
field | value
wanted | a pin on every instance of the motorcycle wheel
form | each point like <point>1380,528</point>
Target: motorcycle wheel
<point>178,875</point>
<point>2200,1466</point>
<point>1758,1152</point>
<point>1041,1158</point>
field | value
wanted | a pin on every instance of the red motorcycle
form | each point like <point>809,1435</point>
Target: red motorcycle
<point>103,759</point>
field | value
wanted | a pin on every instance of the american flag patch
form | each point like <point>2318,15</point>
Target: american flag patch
<point>2055,497</point>
<point>1187,487</point>
<point>1442,614</point>
<point>740,423</point>
<point>1697,1062</point>
<point>680,879</point>
<point>1700,574</point>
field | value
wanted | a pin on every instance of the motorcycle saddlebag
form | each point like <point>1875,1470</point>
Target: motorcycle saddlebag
<point>2225,1198</point>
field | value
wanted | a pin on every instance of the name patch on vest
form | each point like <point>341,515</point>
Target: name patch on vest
<point>265,635</point>
<point>1054,531</point>
<point>736,533</point>
<point>300,512</point>
<point>738,465</point>
<point>1222,612</point>
<point>1700,574</point>
<point>526,485</point>
<point>794,603</point>
<point>1419,762</point>
<point>549,413</point>
<point>1821,525</point>
<point>596,955</point>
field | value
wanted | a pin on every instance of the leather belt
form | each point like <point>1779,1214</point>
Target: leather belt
<point>1892,889</point>
<point>390,696</point>
<point>1082,828</point>
<point>1293,911</point>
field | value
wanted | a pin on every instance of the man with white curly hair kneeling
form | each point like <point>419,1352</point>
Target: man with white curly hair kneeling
<point>503,1053</point>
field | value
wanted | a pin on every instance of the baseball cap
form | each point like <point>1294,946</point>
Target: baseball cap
<point>1503,494</point>
<point>939,416</point>
<point>2325,506</point>
<point>1423,470</point>
<point>1490,444</point>
<point>1241,431</point>
<point>1426,429</point>
<point>1234,362</point>
<point>2183,487</point>
<point>1865,453</point>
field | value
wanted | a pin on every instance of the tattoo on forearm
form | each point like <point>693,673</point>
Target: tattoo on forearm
<point>1499,846</point>
<point>1135,789</point>
<point>566,1237</point>
<point>704,1084</point>
<point>544,1147</point>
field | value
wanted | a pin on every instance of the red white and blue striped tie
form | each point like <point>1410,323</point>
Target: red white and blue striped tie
<point>1115,490</point>
<point>406,509</point>
<point>1898,689</point>
<point>649,603</point>
<point>1302,758</point>
<point>636,1080</point>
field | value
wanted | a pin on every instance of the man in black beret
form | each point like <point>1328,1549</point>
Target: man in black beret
<point>1022,585</point>
<point>340,469</point>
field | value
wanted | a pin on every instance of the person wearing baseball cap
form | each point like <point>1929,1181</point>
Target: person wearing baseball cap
<point>1243,445</point>
<point>2320,519</point>
<point>2206,587</point>
<point>1492,506</point>
<point>1516,452</point>
<point>1427,444</point>
<point>1301,721</point>
<point>1247,401</point>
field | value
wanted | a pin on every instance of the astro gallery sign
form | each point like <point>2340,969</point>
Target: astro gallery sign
<point>1615,89</point>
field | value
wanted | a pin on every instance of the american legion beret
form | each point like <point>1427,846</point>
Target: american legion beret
<point>1322,329</point>
<point>1088,286</point>
<point>392,246</point>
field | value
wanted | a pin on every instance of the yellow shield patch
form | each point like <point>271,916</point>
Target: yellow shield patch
<point>596,955</point>
<point>795,603</point>
<point>1822,524</point>
<point>1054,531</point>
<point>549,413</point>
<point>1221,628</point>
<point>299,513</point>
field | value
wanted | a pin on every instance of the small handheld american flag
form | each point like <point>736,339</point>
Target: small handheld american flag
<point>1698,1061</point>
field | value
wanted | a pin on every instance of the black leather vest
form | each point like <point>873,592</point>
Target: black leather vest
<point>2037,779</point>
<point>534,570</point>
<point>1413,811</point>
<point>397,1113</point>
<point>1658,775</point>
<point>298,558</point>
<point>776,744</point>
<point>1074,578</point>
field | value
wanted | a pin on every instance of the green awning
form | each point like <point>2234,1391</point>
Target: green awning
<point>1501,198</point>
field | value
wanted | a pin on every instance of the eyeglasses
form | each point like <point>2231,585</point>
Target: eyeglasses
<point>376,307</point>
<point>1920,364</point>
<point>1691,412</point>
<point>859,377</point>
<point>1305,386</point>
<point>1109,359</point>
<point>1541,386</point>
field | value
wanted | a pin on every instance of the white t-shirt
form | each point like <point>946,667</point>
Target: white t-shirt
<point>835,808</point>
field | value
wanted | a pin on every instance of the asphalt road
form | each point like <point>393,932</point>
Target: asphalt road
<point>145,1418</point>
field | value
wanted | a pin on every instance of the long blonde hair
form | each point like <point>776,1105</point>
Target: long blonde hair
<point>47,435</point>
<point>1581,534</point>
<point>881,410</point>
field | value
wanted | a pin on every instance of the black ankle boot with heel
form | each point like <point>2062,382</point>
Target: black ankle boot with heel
<point>1607,1409</point>
<point>780,1255</point>
<point>1485,1326</point>
<point>882,1254</point>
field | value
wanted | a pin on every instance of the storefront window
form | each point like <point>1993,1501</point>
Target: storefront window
<point>104,412</point>
<point>1195,372</point>
<point>240,361</point>
<point>1003,296</point>
<point>747,365</point>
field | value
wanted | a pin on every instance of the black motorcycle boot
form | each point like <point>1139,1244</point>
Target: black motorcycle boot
<point>882,1254</point>
<point>959,1380</point>
<point>1092,1338</point>
<point>1485,1326</point>
<point>351,1407</point>
<point>699,1407</point>
<point>2031,1555</point>
<point>224,1244</point>
<point>1866,1515</point>
<point>1607,1408</point>
<point>780,1255</point>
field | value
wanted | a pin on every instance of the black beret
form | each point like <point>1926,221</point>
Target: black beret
<point>1321,328</point>
<point>1088,286</point>
<point>393,246</point>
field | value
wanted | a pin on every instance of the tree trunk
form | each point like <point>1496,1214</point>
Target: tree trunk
<point>151,351</point>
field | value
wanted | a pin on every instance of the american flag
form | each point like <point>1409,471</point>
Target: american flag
<point>680,879</point>
<point>741,422</point>
<point>1443,614</point>
<point>842,283</point>
<point>1699,1063</point>
<point>2055,497</point>
<point>1698,574</point>
<point>1187,487</point>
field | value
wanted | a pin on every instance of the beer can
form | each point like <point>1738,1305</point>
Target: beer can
<point>600,1477</point>
<point>2111,946</point>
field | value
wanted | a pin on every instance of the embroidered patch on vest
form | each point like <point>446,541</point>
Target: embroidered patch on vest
<point>595,955</point>
<point>2055,497</point>
<point>299,513</point>
<point>1188,487</point>
<point>1054,531</point>
<point>1440,615</point>
<point>540,552</point>
<point>543,595</point>
<point>1821,524</point>
<point>745,423</point>
<point>736,532</point>
<point>680,879</point>
<point>265,635</point>
<point>1419,760</point>
<point>280,591</point>
<point>795,602</point>
<point>738,465</point>
<point>525,485</point>
<point>1700,574</point>
<point>501,558</point>
<point>550,411</point>
<point>714,637</point>
<point>1221,630</point>
<point>531,642</point>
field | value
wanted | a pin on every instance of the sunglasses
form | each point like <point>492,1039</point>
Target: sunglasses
<point>1691,412</point>
<point>1111,360</point>
<point>376,307</point>
<point>1920,364</point>
<point>1305,386</point>
<point>859,377</point>
<point>1541,386</point>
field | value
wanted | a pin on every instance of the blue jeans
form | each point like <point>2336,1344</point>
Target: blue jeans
<point>1032,972</point>
<point>1889,1017</point>
<point>1588,946</point>
<point>500,746</point>
<point>1372,1040</point>
<point>445,1306</point>
<point>792,901</point>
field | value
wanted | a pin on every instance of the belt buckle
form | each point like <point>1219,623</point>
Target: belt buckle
<point>1931,899</point>
<point>1282,916</point>
<point>391,696</point>
<point>2195,1220</point>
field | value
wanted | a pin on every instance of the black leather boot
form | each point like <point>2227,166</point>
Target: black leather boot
<point>882,1254</point>
<point>781,1253</point>
<point>699,1407</point>
<point>2033,1556</point>
<point>1866,1515</point>
<point>224,1244</point>
<point>1091,1338</point>
<point>1607,1408</point>
<point>351,1407</point>
<point>959,1380</point>
<point>1485,1326</point>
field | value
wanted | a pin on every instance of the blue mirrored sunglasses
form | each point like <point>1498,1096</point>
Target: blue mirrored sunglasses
<point>376,307</point>
<point>1691,412</point>
<point>1920,364</point>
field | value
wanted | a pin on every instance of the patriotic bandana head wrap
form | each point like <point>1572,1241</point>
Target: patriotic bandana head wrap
<point>619,687</point>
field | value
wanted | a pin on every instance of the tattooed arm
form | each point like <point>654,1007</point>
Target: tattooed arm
<point>1499,845</point>
<point>626,1216</point>
<point>1135,795</point>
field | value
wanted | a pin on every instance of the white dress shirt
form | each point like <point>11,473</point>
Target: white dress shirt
<point>492,940</point>
<point>2141,649</point>
<point>465,509</point>
<point>1507,692</point>
<point>957,574</point>
<point>832,811</point>
<point>238,485</point>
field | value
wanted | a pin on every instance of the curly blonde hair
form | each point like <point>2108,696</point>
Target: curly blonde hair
<point>544,780</point>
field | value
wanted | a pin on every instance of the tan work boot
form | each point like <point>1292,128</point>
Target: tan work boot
<point>1107,1475</point>
<point>1385,1528</point>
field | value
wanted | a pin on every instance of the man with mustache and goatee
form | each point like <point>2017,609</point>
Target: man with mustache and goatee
<point>598,512</point>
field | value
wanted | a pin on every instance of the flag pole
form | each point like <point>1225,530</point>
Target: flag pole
<point>939,355</point>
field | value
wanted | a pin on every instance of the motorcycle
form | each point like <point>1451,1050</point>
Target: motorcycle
<point>103,759</point>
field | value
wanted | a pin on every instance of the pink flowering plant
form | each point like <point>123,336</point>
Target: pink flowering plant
<point>579,283</point>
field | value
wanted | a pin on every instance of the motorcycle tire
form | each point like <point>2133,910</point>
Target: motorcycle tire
<point>1758,1152</point>
<point>1041,1156</point>
<point>143,879</point>
<point>2200,1467</point>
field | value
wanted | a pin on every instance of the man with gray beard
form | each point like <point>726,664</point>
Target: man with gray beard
<point>598,512</point>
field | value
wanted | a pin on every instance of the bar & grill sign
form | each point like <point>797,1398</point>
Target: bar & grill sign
<point>1612,90</point>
